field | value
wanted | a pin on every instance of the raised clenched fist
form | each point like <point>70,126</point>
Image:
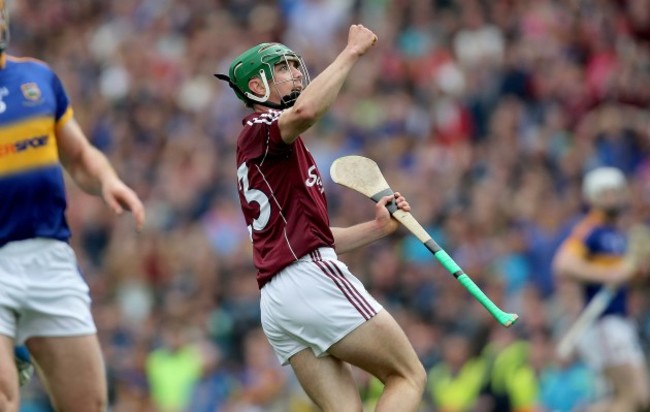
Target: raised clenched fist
<point>360,39</point>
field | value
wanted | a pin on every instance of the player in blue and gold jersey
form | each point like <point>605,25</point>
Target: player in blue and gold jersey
<point>44,302</point>
<point>594,255</point>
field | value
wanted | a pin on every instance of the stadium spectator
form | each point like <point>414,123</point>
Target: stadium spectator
<point>490,156</point>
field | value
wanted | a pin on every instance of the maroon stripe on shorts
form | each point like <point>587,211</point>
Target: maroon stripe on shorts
<point>361,298</point>
<point>337,282</point>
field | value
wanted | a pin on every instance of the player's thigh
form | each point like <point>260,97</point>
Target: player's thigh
<point>641,381</point>
<point>327,380</point>
<point>73,370</point>
<point>380,346</point>
<point>8,376</point>
<point>628,380</point>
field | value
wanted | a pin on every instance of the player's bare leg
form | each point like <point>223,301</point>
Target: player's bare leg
<point>8,376</point>
<point>381,348</point>
<point>328,382</point>
<point>630,389</point>
<point>72,369</point>
<point>641,382</point>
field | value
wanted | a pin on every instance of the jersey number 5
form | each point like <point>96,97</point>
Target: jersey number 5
<point>254,195</point>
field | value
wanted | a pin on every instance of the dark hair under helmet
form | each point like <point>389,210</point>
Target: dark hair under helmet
<point>259,61</point>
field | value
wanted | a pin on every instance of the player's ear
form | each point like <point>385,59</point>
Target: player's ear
<point>257,86</point>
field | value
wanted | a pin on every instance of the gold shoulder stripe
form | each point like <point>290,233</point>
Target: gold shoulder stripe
<point>65,117</point>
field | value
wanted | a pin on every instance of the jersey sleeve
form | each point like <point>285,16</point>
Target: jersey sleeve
<point>261,138</point>
<point>63,111</point>
<point>575,246</point>
<point>576,243</point>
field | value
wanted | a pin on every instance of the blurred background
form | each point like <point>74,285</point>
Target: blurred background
<point>485,114</point>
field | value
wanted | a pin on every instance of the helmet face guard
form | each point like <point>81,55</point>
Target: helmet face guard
<point>4,26</point>
<point>260,61</point>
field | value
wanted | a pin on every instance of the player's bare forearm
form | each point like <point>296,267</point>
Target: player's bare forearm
<point>317,98</point>
<point>323,90</point>
<point>93,171</point>
<point>314,101</point>
<point>97,176</point>
<point>354,237</point>
<point>575,268</point>
<point>350,238</point>
<point>87,166</point>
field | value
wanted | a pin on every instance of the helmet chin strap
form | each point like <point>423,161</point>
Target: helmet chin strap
<point>286,101</point>
<point>291,98</point>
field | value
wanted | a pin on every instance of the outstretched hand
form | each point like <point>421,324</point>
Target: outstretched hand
<point>360,39</point>
<point>382,215</point>
<point>120,197</point>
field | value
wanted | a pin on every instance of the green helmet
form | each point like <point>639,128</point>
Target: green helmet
<point>259,61</point>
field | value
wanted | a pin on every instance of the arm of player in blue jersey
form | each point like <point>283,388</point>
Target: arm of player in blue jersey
<point>92,171</point>
<point>570,265</point>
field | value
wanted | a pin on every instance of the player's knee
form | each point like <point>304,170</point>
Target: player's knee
<point>94,403</point>
<point>415,376</point>
<point>644,402</point>
<point>420,378</point>
<point>8,402</point>
<point>626,402</point>
<point>98,404</point>
<point>342,401</point>
<point>351,406</point>
<point>636,398</point>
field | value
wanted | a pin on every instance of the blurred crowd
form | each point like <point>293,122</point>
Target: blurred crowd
<point>485,114</point>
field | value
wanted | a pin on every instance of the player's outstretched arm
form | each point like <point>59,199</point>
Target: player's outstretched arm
<point>569,264</point>
<point>322,91</point>
<point>92,171</point>
<point>353,237</point>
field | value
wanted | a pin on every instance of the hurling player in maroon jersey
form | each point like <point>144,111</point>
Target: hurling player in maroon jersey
<point>315,313</point>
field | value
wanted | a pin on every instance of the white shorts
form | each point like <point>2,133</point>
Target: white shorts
<point>313,303</point>
<point>611,341</point>
<point>42,292</point>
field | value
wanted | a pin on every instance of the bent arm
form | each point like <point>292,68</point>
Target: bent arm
<point>314,101</point>
<point>347,239</point>
<point>317,98</point>
<point>569,265</point>
<point>354,237</point>
<point>87,166</point>
<point>91,170</point>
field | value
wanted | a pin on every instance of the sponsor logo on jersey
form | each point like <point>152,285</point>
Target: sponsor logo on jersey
<point>31,91</point>
<point>314,179</point>
<point>22,145</point>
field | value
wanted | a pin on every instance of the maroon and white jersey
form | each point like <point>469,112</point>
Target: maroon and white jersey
<point>281,195</point>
